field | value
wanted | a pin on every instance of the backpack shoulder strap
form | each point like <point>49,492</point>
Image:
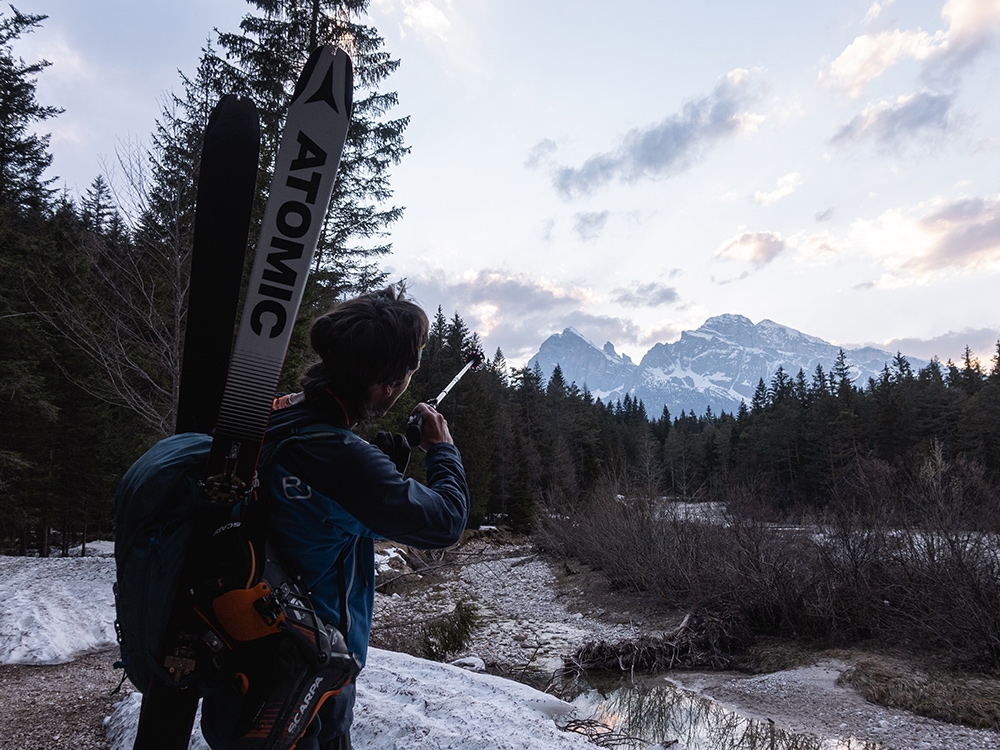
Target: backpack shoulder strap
<point>271,448</point>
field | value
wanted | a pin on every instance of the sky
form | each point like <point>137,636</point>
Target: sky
<point>632,169</point>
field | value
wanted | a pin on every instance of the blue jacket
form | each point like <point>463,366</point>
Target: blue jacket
<point>333,494</point>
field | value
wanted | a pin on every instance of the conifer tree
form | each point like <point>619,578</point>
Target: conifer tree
<point>24,154</point>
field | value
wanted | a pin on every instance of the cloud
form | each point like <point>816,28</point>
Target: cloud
<point>590,225</point>
<point>870,55</point>
<point>757,248</point>
<point>671,146</point>
<point>967,235</point>
<point>875,11</point>
<point>540,153</point>
<point>786,186</point>
<point>971,27</point>
<point>887,123</point>
<point>950,345</point>
<point>645,295</point>
<point>817,247</point>
<point>939,236</point>
<point>517,312</point>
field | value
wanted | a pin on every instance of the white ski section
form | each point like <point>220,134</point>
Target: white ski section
<point>57,608</point>
<point>304,174</point>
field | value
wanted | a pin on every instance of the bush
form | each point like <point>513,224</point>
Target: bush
<point>924,573</point>
<point>450,633</point>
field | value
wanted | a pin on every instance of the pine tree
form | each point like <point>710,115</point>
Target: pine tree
<point>24,154</point>
<point>498,366</point>
<point>972,374</point>
<point>902,372</point>
<point>556,388</point>
<point>820,386</point>
<point>840,376</point>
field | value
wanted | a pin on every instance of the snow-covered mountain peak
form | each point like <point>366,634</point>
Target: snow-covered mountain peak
<point>609,351</point>
<point>718,364</point>
<point>571,331</point>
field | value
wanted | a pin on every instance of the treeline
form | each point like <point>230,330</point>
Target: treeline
<point>526,443</point>
<point>808,441</point>
<point>533,445</point>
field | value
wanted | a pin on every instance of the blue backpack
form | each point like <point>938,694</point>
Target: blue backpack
<point>203,604</point>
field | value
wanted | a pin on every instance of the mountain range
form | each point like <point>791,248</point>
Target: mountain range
<point>718,365</point>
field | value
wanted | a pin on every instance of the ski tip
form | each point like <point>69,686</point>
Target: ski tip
<point>234,116</point>
<point>339,59</point>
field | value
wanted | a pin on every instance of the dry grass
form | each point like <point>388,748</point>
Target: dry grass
<point>946,696</point>
<point>768,655</point>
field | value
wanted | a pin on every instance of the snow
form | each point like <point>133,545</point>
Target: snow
<point>573,332</point>
<point>57,608</point>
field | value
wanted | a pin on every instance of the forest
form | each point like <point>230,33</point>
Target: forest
<point>92,311</point>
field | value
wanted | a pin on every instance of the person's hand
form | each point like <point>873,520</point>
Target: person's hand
<point>433,428</point>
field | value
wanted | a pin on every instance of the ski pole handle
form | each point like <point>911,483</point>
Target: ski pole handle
<point>413,427</point>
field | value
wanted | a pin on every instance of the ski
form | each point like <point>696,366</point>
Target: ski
<point>304,173</point>
<point>227,180</point>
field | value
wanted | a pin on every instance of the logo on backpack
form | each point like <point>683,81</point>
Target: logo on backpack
<point>295,489</point>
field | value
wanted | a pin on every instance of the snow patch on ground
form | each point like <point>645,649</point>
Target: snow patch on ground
<point>405,702</point>
<point>55,608</point>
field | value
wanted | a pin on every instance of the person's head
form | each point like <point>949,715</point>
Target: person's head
<point>369,347</point>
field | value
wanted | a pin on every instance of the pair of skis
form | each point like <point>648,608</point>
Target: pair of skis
<point>304,174</point>
<point>235,395</point>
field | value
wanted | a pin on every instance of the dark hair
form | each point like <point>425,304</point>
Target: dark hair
<point>370,340</point>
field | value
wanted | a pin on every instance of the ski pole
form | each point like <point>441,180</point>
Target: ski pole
<point>415,422</point>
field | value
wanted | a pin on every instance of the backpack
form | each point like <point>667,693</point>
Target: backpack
<point>203,604</point>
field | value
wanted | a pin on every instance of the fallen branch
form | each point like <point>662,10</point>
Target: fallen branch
<point>698,643</point>
<point>604,736</point>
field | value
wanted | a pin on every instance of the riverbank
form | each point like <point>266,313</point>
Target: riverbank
<point>533,613</point>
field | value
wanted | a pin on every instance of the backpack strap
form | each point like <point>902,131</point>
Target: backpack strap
<point>269,456</point>
<point>270,450</point>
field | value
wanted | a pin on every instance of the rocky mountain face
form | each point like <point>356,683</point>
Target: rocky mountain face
<point>717,365</point>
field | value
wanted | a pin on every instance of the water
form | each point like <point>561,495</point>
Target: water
<point>634,716</point>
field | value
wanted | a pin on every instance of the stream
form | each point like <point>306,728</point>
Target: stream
<point>654,710</point>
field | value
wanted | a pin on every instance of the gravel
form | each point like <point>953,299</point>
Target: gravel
<point>62,705</point>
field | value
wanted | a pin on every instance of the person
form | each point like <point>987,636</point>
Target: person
<point>340,493</point>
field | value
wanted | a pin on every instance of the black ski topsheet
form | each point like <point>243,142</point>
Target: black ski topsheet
<point>304,174</point>
<point>226,184</point>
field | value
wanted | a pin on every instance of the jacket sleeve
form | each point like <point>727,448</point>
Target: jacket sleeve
<point>366,484</point>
